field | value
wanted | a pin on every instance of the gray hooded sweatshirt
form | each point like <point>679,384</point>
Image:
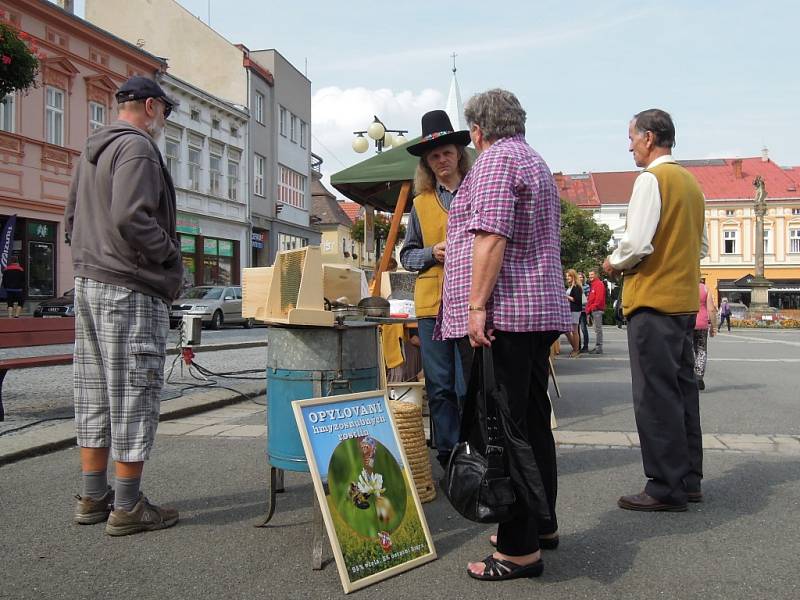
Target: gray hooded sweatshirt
<point>120,216</point>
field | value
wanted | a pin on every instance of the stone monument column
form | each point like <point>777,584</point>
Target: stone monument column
<point>759,296</point>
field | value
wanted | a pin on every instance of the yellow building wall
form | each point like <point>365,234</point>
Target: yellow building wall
<point>194,51</point>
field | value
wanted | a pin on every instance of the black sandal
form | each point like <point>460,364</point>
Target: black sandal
<point>496,569</point>
<point>545,543</point>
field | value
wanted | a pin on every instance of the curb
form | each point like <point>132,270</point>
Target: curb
<point>51,439</point>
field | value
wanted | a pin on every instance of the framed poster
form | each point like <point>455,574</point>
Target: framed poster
<point>366,492</point>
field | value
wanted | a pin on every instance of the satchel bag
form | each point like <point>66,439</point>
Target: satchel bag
<point>476,481</point>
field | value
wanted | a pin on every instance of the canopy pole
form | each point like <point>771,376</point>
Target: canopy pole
<point>391,239</point>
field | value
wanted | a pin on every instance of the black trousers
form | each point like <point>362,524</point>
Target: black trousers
<point>666,403</point>
<point>521,366</point>
<point>584,331</point>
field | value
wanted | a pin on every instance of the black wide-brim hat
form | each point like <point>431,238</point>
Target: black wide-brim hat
<point>437,130</point>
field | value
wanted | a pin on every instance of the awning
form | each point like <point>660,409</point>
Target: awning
<point>376,181</point>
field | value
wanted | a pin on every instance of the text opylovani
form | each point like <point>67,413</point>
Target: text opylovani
<point>361,415</point>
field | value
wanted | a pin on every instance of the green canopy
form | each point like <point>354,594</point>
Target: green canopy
<point>376,181</point>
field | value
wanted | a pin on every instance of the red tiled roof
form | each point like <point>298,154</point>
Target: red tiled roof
<point>351,209</point>
<point>719,178</point>
<point>732,178</point>
<point>577,189</point>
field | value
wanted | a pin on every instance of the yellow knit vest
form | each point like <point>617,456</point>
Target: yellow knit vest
<point>433,223</point>
<point>667,279</point>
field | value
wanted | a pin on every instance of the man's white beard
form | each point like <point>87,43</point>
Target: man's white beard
<point>155,130</point>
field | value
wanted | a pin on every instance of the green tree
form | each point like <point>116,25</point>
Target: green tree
<point>380,232</point>
<point>584,242</point>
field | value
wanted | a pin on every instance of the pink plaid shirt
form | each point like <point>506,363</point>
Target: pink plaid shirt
<point>509,192</point>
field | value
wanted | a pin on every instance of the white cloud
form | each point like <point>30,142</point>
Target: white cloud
<point>336,113</point>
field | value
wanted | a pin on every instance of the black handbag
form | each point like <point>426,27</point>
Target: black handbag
<point>476,481</point>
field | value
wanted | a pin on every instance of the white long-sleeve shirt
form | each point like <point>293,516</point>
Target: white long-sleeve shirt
<point>644,212</point>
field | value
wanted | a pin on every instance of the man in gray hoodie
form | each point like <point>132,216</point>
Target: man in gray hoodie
<point>120,222</point>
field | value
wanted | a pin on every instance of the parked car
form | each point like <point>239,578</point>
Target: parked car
<point>216,304</point>
<point>63,306</point>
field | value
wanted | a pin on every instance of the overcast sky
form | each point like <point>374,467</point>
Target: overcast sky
<point>728,71</point>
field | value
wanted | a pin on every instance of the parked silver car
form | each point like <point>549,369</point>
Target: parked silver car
<point>216,304</point>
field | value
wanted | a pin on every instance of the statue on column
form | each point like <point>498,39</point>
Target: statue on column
<point>759,296</point>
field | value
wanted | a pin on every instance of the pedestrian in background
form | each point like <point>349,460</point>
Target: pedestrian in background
<point>659,254</point>
<point>584,330</point>
<point>595,307</point>
<point>443,163</point>
<point>725,314</point>
<point>120,221</point>
<point>14,285</point>
<point>503,289</point>
<point>573,296</point>
<point>705,325</point>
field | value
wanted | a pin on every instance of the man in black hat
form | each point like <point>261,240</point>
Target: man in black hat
<point>443,164</point>
<point>120,222</point>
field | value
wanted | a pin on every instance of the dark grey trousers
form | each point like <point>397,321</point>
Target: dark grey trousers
<point>666,403</point>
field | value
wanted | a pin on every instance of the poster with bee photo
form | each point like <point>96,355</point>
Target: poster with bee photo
<point>366,492</point>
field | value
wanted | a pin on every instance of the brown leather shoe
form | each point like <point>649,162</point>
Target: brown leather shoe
<point>645,502</point>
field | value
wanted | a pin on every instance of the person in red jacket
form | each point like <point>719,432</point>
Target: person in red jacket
<point>595,306</point>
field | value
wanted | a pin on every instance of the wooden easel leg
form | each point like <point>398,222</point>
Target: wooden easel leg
<point>318,528</point>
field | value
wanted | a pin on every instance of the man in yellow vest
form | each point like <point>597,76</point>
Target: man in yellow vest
<point>659,255</point>
<point>443,164</point>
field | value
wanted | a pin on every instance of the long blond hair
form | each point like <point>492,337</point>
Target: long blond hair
<point>573,275</point>
<point>425,180</point>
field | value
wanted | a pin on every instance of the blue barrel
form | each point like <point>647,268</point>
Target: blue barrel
<point>311,362</point>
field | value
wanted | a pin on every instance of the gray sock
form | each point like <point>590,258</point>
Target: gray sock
<point>126,493</point>
<point>95,484</point>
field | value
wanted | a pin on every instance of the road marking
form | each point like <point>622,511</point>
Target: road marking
<point>762,340</point>
<point>711,359</point>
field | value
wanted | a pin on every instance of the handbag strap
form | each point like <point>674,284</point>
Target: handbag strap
<point>493,431</point>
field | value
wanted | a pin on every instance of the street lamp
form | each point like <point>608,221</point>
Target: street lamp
<point>382,137</point>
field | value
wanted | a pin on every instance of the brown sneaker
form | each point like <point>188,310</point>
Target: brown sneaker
<point>145,516</point>
<point>89,511</point>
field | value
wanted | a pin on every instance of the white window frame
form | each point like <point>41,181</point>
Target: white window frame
<point>291,242</point>
<point>54,115</point>
<point>215,174</point>
<point>796,211</point>
<point>195,167</point>
<point>96,110</point>
<point>283,114</point>
<point>8,113</point>
<point>173,161</point>
<point>303,133</point>
<point>767,241</point>
<point>293,128</point>
<point>794,240</point>
<point>734,237</point>
<point>259,107</point>
<point>233,175</point>
<point>292,187</point>
<point>259,166</point>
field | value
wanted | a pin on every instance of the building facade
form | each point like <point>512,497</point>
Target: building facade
<point>276,94</point>
<point>727,184</point>
<point>204,147</point>
<point>291,133</point>
<point>337,244</point>
<point>43,132</point>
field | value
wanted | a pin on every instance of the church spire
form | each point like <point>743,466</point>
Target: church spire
<point>454,107</point>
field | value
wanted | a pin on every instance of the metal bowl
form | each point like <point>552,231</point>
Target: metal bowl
<point>374,306</point>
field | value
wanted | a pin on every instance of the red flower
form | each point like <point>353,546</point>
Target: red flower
<point>6,60</point>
